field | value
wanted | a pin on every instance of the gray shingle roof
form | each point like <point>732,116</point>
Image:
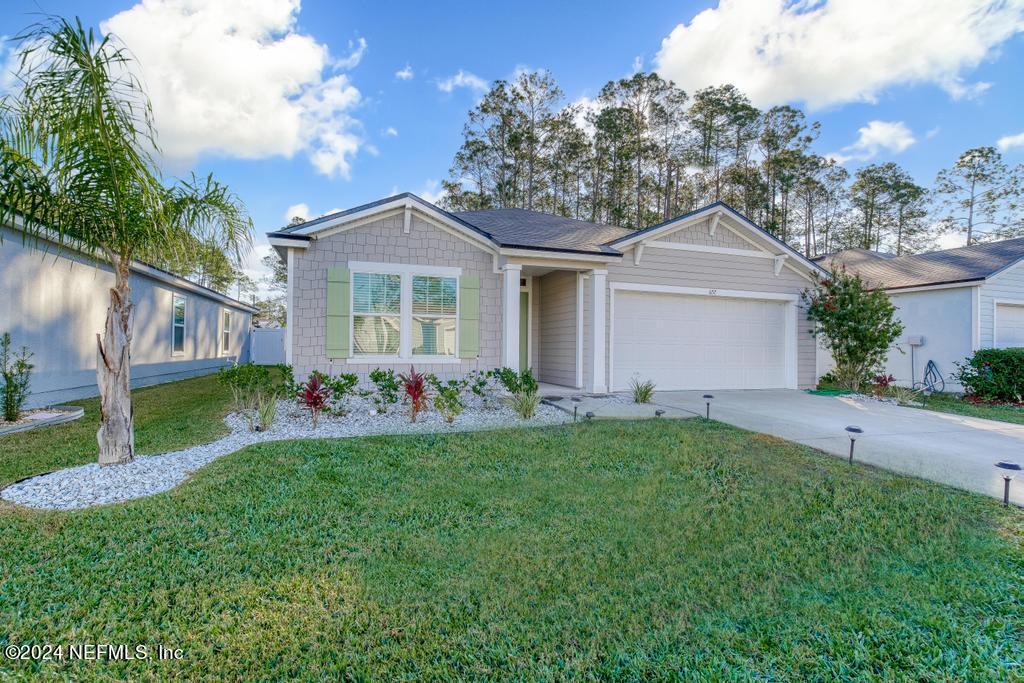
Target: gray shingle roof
<point>537,230</point>
<point>964,264</point>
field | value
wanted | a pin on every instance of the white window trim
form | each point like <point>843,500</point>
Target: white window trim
<point>405,315</point>
<point>184,325</point>
<point>225,350</point>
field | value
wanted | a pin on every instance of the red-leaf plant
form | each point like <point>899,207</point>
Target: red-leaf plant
<point>883,382</point>
<point>415,386</point>
<point>314,395</point>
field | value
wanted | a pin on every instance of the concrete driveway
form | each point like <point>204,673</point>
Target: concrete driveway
<point>951,449</point>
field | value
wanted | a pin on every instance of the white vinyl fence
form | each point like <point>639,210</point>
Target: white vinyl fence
<point>267,347</point>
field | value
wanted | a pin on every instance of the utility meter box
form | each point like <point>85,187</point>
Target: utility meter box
<point>915,340</point>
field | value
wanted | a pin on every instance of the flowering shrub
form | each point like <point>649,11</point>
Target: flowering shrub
<point>857,325</point>
<point>415,387</point>
<point>993,374</point>
<point>314,395</point>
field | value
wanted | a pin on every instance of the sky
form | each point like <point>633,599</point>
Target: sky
<point>303,108</point>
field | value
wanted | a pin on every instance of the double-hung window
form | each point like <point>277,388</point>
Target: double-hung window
<point>376,314</point>
<point>409,312</point>
<point>225,332</point>
<point>177,325</point>
<point>433,315</point>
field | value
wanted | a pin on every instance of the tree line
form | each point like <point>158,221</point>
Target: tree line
<point>645,151</point>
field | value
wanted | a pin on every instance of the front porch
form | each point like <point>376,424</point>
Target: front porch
<point>554,323</point>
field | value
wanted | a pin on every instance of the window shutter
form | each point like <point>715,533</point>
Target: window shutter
<point>469,316</point>
<point>339,312</point>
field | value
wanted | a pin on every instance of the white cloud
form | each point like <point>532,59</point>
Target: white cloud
<point>582,108</point>
<point>391,132</point>
<point>300,210</point>
<point>432,191</point>
<point>236,78</point>
<point>1010,141</point>
<point>932,132</point>
<point>876,137</point>
<point>951,240</point>
<point>828,52</point>
<point>357,50</point>
<point>405,73</point>
<point>638,64</point>
<point>462,79</point>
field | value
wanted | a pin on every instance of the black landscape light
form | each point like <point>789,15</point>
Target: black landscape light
<point>659,412</point>
<point>590,415</point>
<point>1007,469</point>
<point>853,431</point>
<point>575,409</point>
<point>707,402</point>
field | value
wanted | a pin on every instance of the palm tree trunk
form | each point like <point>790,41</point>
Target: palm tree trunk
<point>116,436</point>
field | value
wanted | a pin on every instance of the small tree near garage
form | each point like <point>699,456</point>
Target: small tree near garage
<point>856,324</point>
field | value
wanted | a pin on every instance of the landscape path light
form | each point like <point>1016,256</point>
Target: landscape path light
<point>853,431</point>
<point>708,398</point>
<point>1007,469</point>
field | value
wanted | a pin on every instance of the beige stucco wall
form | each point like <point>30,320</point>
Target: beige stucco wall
<point>384,241</point>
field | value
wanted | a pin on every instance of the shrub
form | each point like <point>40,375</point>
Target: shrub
<point>314,395</point>
<point>415,387</point>
<point>881,383</point>
<point>250,384</point>
<point>266,409</point>
<point>387,388</point>
<point>481,383</point>
<point>858,325</point>
<point>16,372</point>
<point>525,403</point>
<point>643,392</point>
<point>448,398</point>
<point>289,387</point>
<point>993,374</point>
<point>516,382</point>
<point>341,386</point>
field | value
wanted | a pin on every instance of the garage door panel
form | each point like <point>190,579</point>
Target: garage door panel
<point>698,342</point>
<point>1009,325</point>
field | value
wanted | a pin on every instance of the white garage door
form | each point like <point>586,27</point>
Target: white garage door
<point>698,342</point>
<point>1009,325</point>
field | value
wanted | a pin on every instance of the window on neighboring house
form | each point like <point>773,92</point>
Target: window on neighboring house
<point>433,315</point>
<point>225,332</point>
<point>178,324</point>
<point>376,313</point>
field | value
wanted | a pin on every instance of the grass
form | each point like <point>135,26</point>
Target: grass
<point>949,403</point>
<point>657,549</point>
<point>167,417</point>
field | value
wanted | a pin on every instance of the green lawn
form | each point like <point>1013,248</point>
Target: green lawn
<point>949,403</point>
<point>167,417</point>
<point>633,550</point>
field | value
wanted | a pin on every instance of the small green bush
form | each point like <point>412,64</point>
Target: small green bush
<point>993,374</point>
<point>16,372</point>
<point>250,386</point>
<point>448,397</point>
<point>643,392</point>
<point>387,388</point>
<point>516,382</point>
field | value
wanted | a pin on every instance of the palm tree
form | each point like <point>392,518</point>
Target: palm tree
<point>77,147</point>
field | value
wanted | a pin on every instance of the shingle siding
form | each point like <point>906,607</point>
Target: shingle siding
<point>384,241</point>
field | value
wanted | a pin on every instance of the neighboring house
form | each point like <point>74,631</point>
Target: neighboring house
<point>55,300</point>
<point>956,300</point>
<point>704,301</point>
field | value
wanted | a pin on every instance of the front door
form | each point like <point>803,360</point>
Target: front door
<point>524,330</point>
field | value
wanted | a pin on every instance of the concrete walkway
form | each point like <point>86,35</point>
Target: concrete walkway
<point>951,449</point>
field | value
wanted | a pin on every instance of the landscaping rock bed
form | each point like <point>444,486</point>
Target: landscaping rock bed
<point>41,417</point>
<point>88,485</point>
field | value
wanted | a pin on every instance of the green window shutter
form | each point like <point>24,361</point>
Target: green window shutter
<point>339,312</point>
<point>469,316</point>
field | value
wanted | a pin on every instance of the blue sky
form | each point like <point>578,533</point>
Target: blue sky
<point>303,108</point>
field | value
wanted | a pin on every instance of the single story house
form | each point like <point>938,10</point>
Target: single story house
<point>55,301</point>
<point>951,302</point>
<point>705,301</point>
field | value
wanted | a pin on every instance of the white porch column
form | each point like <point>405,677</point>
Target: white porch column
<point>510,316</point>
<point>596,375</point>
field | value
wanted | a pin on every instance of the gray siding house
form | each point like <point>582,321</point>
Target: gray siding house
<point>54,302</point>
<point>952,302</point>
<point>705,301</point>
